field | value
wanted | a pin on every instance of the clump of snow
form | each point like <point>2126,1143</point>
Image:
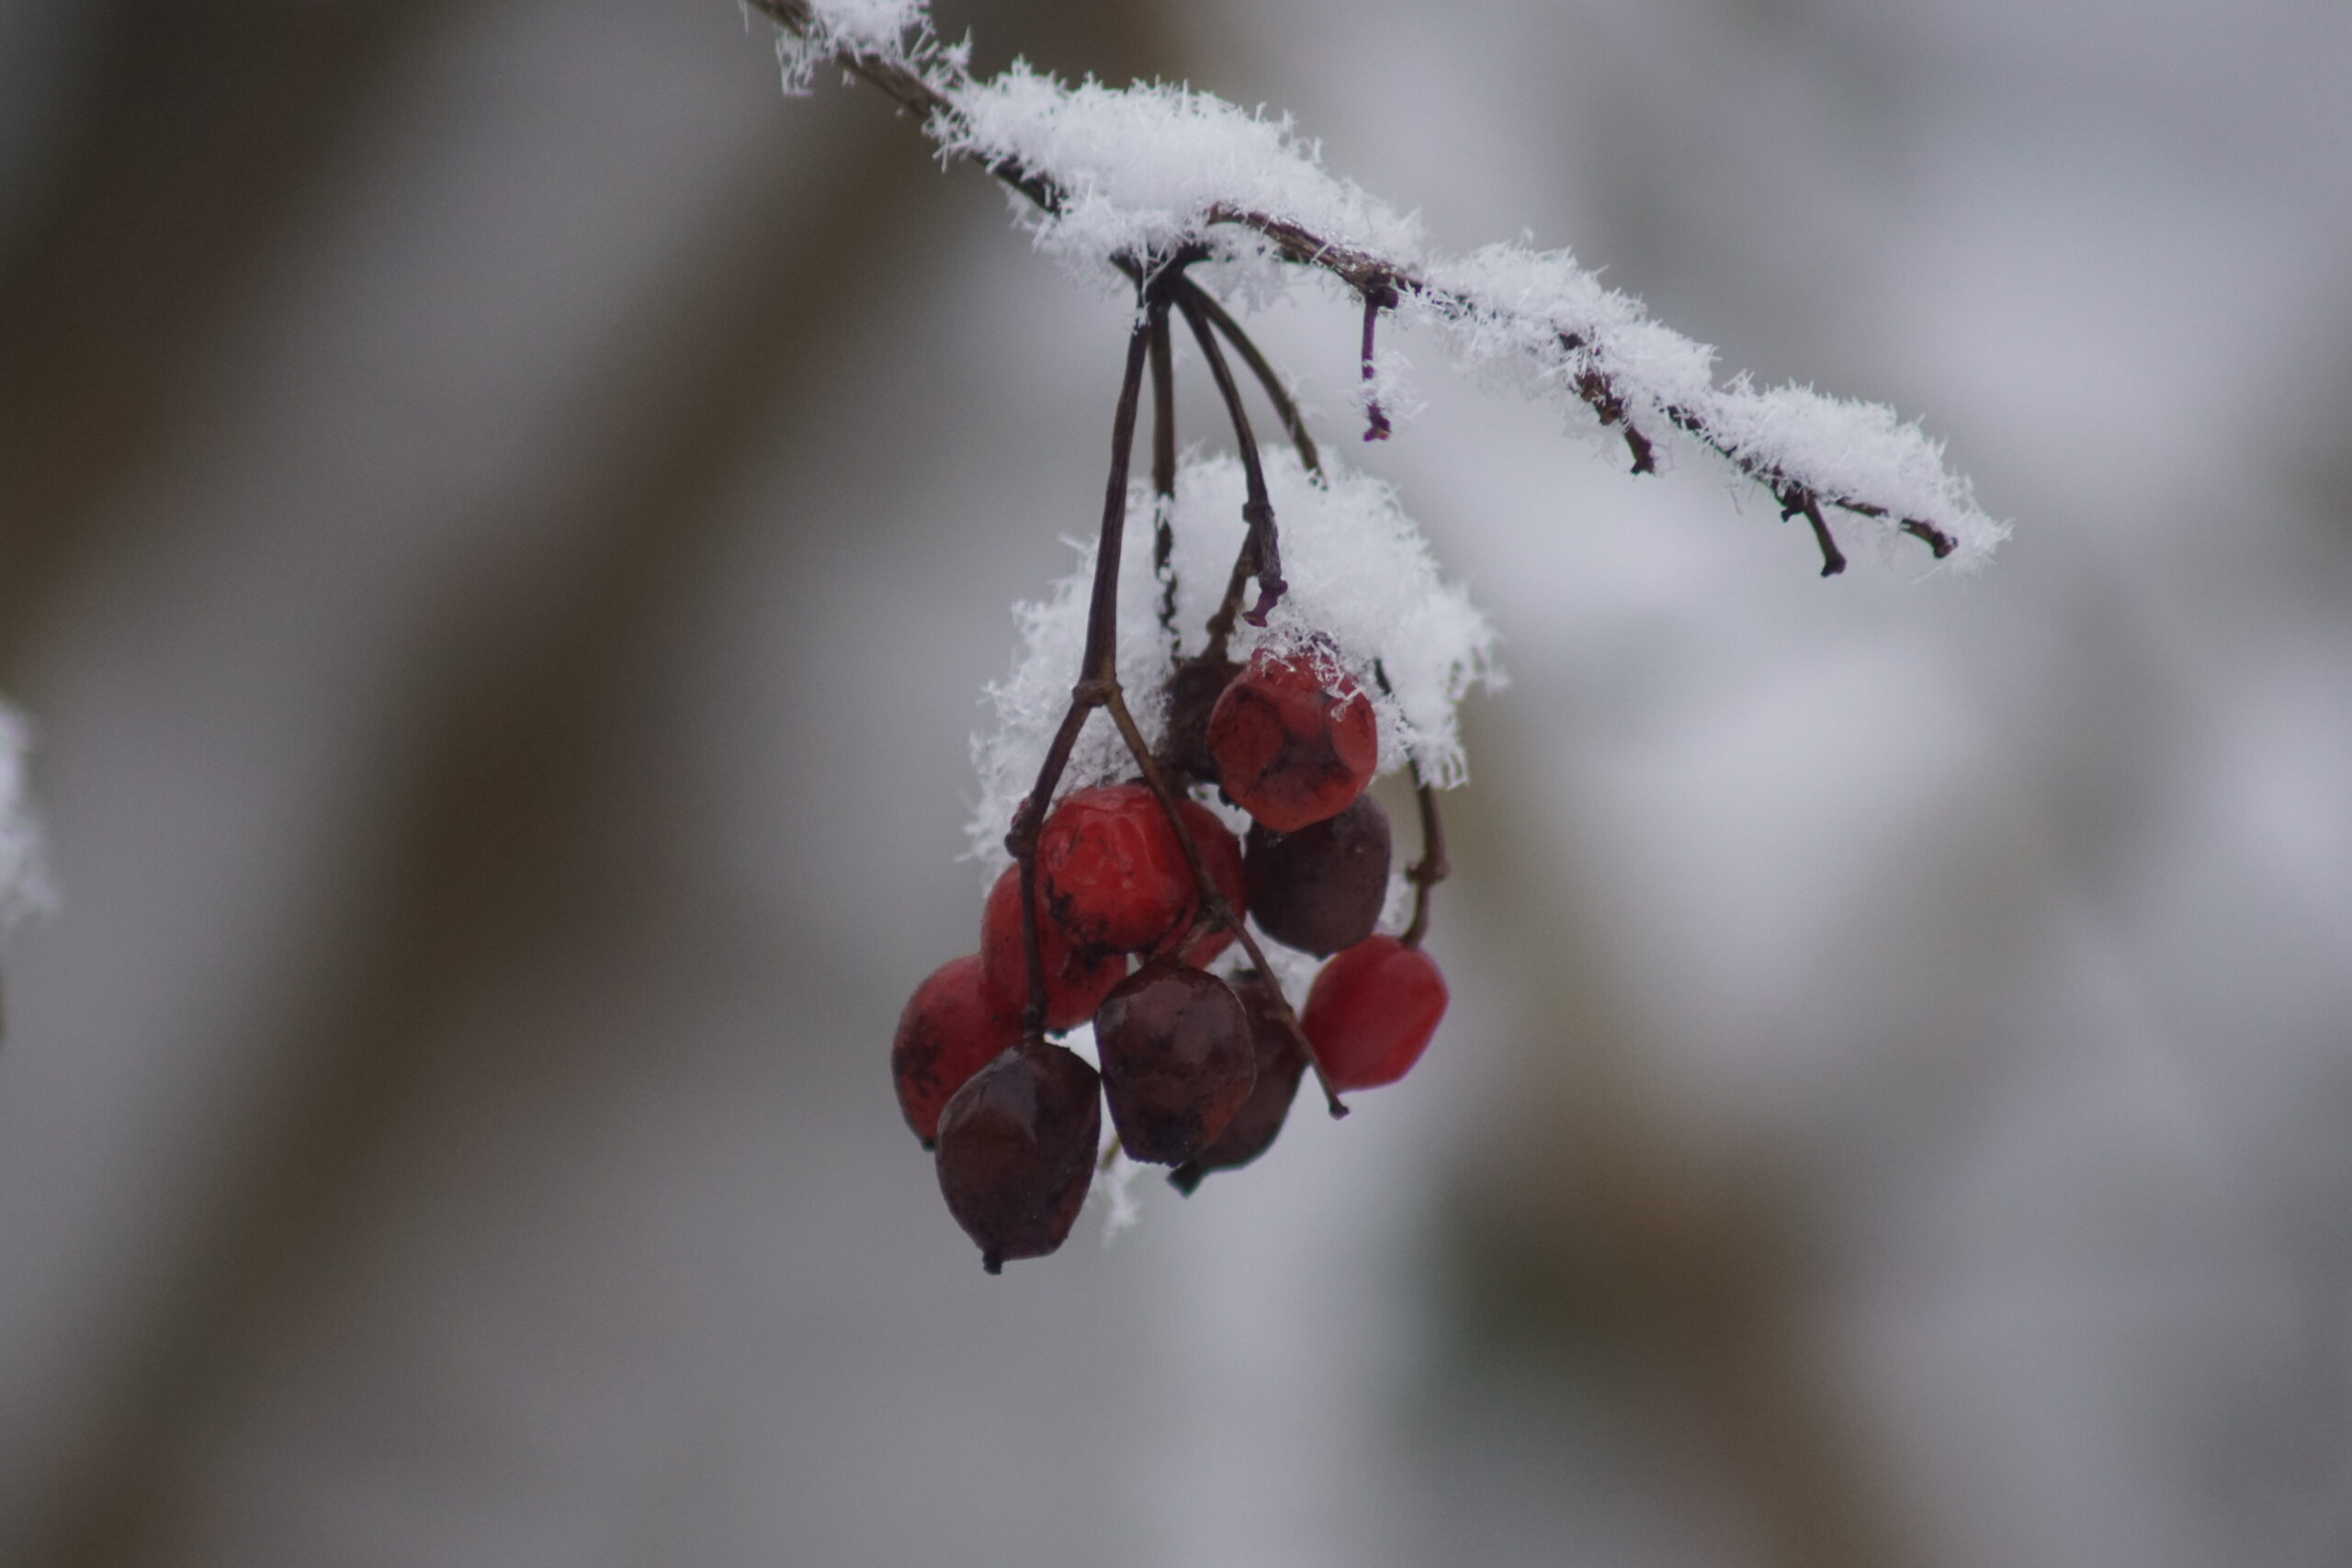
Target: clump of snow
<point>1114,1188</point>
<point>1143,167</point>
<point>895,30</point>
<point>1540,322</point>
<point>25,886</point>
<point>1361,577</point>
<point>1146,169</point>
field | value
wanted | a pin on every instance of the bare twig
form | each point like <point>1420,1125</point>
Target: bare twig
<point>1367,274</point>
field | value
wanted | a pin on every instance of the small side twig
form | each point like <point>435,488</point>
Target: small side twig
<point>1796,501</point>
<point>1376,298</point>
<point>1260,553</point>
<point>1285,406</point>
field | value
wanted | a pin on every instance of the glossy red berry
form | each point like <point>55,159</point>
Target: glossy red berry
<point>1016,1151</point>
<point>1075,982</point>
<point>1113,874</point>
<point>1372,1010</point>
<point>1177,1059</point>
<point>1294,738</point>
<point>952,1027</point>
<point>1221,854</point>
<point>1281,1063</point>
<point>1321,888</point>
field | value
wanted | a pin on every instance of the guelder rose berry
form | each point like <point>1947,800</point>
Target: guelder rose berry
<point>1320,889</point>
<point>1294,738</point>
<point>1177,1059</point>
<point>1281,1063</point>
<point>1016,1151</point>
<point>1112,876</point>
<point>953,1026</point>
<point>1075,982</point>
<point>1372,1010</point>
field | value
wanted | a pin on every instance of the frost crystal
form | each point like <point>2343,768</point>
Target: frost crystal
<point>24,879</point>
<point>1360,574</point>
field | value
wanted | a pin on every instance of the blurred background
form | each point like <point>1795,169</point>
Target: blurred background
<point>504,518</point>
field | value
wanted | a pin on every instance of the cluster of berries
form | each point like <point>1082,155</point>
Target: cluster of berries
<point>1135,889</point>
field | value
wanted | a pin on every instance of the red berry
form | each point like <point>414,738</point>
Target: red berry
<point>1280,1065</point>
<point>1294,738</point>
<point>1320,889</point>
<point>953,1026</point>
<point>1113,874</point>
<point>1016,1151</point>
<point>1177,1059</point>
<point>1372,1010</point>
<point>1075,984</point>
<point>1221,854</point>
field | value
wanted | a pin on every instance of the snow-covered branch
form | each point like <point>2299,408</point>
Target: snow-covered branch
<point>1127,177</point>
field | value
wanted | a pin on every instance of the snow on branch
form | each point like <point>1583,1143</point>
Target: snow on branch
<point>1129,177</point>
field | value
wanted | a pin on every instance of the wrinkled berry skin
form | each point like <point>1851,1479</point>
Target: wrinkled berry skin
<point>1221,854</point>
<point>1372,1010</point>
<point>1177,1060</point>
<point>1192,694</point>
<point>1294,739</point>
<point>1016,1151</point>
<point>1321,888</point>
<point>952,1027</point>
<point>1254,1126</point>
<point>1075,983</point>
<point>1111,873</point>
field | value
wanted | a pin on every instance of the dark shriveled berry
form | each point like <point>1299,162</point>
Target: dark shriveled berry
<point>1111,873</point>
<point>1281,1063</point>
<point>1320,889</point>
<point>953,1026</point>
<point>1177,1059</point>
<point>1076,983</point>
<point>1294,738</point>
<point>1191,693</point>
<point>1016,1151</point>
<point>1370,1012</point>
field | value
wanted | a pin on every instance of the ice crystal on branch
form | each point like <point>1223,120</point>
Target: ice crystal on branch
<point>1119,176</point>
<point>1359,573</point>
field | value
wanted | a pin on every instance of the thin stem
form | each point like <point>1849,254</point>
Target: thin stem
<point>1098,672</point>
<point>1211,900</point>
<point>1260,553</point>
<point>1433,867</point>
<point>1375,421</point>
<point>1163,472</point>
<point>1285,406</point>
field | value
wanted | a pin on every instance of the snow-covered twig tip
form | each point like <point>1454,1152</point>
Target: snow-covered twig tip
<point>1121,177</point>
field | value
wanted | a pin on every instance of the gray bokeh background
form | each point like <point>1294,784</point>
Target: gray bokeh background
<point>503,519</point>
